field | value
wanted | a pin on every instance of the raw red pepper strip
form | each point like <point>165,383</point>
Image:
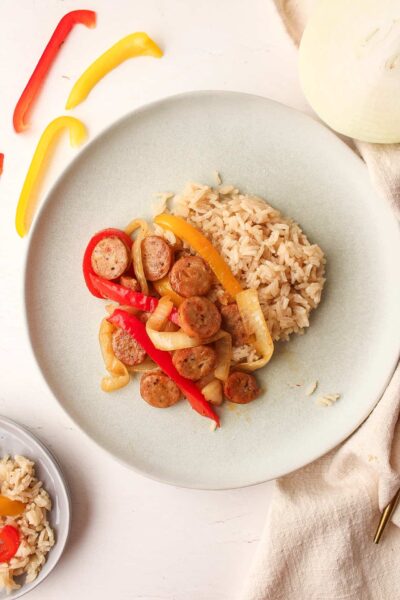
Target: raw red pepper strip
<point>123,295</point>
<point>1,163</point>
<point>137,330</point>
<point>87,257</point>
<point>85,17</point>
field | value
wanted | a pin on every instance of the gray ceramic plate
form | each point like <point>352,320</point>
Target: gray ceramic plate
<point>305,171</point>
<point>15,439</point>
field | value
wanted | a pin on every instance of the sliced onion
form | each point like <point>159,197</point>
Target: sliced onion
<point>119,376</point>
<point>159,317</point>
<point>145,367</point>
<point>350,67</point>
<point>212,392</point>
<point>254,323</point>
<point>163,287</point>
<point>223,348</point>
<point>137,251</point>
<point>130,309</point>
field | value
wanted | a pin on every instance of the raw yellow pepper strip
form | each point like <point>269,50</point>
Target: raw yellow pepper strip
<point>202,246</point>
<point>28,197</point>
<point>135,44</point>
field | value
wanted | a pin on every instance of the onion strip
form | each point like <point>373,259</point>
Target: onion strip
<point>223,348</point>
<point>137,251</point>
<point>119,376</point>
<point>254,323</point>
<point>212,392</point>
<point>163,287</point>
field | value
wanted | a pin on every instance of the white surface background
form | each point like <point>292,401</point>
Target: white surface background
<point>131,538</point>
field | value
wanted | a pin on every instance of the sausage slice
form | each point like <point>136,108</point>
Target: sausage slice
<point>241,388</point>
<point>157,257</point>
<point>199,317</point>
<point>159,390</point>
<point>130,282</point>
<point>233,324</point>
<point>190,276</point>
<point>126,348</point>
<point>194,363</point>
<point>110,258</point>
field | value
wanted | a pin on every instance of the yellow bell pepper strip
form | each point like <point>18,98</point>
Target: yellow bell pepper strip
<point>254,322</point>
<point>203,247</point>
<point>10,508</point>
<point>84,17</point>
<point>28,197</point>
<point>163,287</point>
<point>1,163</point>
<point>135,44</point>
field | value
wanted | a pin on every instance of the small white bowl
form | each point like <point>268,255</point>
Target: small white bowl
<point>15,439</point>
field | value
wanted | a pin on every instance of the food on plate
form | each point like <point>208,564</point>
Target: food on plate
<point>159,390</point>
<point>157,257</point>
<point>25,533</point>
<point>110,258</point>
<point>212,282</point>
<point>241,388</point>
<point>190,276</point>
<point>126,348</point>
<point>194,363</point>
<point>199,317</point>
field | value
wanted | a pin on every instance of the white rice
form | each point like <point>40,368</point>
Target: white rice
<point>311,388</point>
<point>265,251</point>
<point>18,482</point>
<point>327,399</point>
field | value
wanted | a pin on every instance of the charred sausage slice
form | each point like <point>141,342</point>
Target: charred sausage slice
<point>190,276</point>
<point>110,258</point>
<point>233,324</point>
<point>127,349</point>
<point>199,317</point>
<point>130,282</point>
<point>159,390</point>
<point>194,363</point>
<point>241,388</point>
<point>157,257</point>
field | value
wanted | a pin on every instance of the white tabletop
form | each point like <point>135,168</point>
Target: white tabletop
<point>131,538</point>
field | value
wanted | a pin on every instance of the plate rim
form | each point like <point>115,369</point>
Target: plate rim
<point>19,428</point>
<point>64,173</point>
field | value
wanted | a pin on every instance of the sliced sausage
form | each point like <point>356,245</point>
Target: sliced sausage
<point>159,390</point>
<point>110,258</point>
<point>199,317</point>
<point>194,363</point>
<point>130,282</point>
<point>233,324</point>
<point>190,276</point>
<point>241,388</point>
<point>126,348</point>
<point>157,257</point>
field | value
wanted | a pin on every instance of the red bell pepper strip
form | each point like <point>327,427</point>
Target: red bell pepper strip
<point>123,295</point>
<point>9,542</point>
<point>87,257</point>
<point>1,163</point>
<point>137,330</point>
<point>85,17</point>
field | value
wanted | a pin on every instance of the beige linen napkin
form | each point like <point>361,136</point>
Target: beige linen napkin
<point>317,543</point>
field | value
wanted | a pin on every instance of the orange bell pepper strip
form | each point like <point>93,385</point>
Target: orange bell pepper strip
<point>28,198</point>
<point>135,44</point>
<point>1,162</point>
<point>36,80</point>
<point>10,508</point>
<point>203,247</point>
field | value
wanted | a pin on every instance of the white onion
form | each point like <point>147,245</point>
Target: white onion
<point>350,67</point>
